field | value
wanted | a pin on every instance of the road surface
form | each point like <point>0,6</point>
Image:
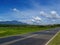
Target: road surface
<point>35,38</point>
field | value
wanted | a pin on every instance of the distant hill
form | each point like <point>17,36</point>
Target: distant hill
<point>13,22</point>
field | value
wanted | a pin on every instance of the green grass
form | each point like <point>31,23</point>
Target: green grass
<point>17,30</point>
<point>56,40</point>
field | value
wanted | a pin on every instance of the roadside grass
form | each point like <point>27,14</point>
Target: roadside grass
<point>56,40</point>
<point>8,31</point>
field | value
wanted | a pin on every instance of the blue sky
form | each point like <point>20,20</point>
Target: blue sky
<point>31,11</point>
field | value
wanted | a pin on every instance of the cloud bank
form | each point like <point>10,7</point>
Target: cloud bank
<point>33,11</point>
<point>37,17</point>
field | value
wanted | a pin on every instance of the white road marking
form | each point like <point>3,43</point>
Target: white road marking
<point>52,38</point>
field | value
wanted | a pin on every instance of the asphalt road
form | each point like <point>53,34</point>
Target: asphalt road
<point>35,38</point>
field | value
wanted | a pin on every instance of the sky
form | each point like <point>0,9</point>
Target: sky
<point>31,11</point>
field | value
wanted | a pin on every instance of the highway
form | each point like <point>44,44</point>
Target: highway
<point>35,38</point>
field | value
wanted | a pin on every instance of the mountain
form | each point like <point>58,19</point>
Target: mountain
<point>12,22</point>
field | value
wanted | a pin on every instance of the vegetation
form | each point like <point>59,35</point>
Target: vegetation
<point>56,40</point>
<point>7,30</point>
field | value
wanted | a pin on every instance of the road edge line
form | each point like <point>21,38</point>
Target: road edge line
<point>52,38</point>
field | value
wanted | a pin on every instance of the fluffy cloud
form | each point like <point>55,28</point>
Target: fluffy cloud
<point>34,20</point>
<point>55,15</point>
<point>16,13</point>
<point>26,16</point>
<point>15,9</point>
<point>37,18</point>
<point>42,13</point>
<point>53,12</point>
<point>52,15</point>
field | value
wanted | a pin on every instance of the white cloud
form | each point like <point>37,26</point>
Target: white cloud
<point>37,18</point>
<point>28,15</point>
<point>42,13</point>
<point>52,15</point>
<point>15,9</point>
<point>53,12</point>
<point>55,15</point>
<point>32,20</point>
<point>17,13</point>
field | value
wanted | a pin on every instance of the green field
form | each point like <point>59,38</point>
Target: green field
<point>15,30</point>
<point>56,40</point>
<point>8,30</point>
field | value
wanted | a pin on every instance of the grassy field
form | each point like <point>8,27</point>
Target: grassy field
<point>7,31</point>
<point>56,40</point>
